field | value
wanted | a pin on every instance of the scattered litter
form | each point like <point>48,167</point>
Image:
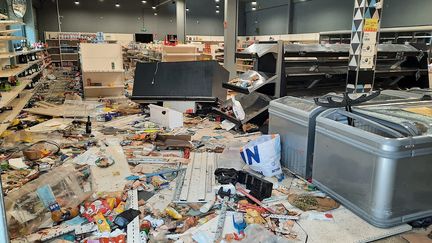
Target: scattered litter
<point>17,164</point>
<point>307,202</point>
<point>227,125</point>
<point>113,171</point>
<point>320,216</point>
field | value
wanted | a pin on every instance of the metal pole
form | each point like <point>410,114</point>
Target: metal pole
<point>230,36</point>
<point>58,16</point>
<point>290,17</point>
<point>181,20</point>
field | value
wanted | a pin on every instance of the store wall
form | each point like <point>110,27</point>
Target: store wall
<point>407,13</point>
<point>272,16</point>
<point>131,17</point>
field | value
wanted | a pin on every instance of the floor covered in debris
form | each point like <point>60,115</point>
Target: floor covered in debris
<point>124,178</point>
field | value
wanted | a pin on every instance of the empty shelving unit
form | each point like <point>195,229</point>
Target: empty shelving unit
<point>102,67</point>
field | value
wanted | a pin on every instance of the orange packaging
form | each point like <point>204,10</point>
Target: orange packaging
<point>117,239</point>
<point>111,201</point>
<point>101,222</point>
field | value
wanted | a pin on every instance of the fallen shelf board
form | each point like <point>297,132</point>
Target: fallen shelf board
<point>51,125</point>
<point>7,97</point>
<point>18,104</point>
<point>198,181</point>
<point>123,122</point>
<point>112,178</point>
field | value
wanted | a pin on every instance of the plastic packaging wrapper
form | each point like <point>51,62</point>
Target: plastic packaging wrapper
<point>256,233</point>
<point>230,157</point>
<point>263,155</point>
<point>26,212</point>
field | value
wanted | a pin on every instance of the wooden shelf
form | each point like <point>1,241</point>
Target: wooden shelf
<point>21,68</point>
<point>12,72</point>
<point>182,54</point>
<point>10,38</point>
<point>244,59</point>
<point>17,106</point>
<point>8,55</point>
<point>10,22</point>
<point>6,32</point>
<point>8,96</point>
<point>104,71</point>
<point>30,77</point>
<point>244,65</point>
<point>2,16</point>
<point>104,87</point>
<point>35,61</point>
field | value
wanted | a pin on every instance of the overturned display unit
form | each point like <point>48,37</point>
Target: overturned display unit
<point>308,70</point>
<point>318,69</point>
<point>199,81</point>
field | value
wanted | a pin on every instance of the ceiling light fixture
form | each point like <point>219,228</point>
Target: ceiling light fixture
<point>144,1</point>
<point>254,3</point>
<point>217,11</point>
<point>155,14</point>
<point>187,9</point>
<point>76,2</point>
<point>153,7</point>
<point>253,8</point>
<point>117,5</point>
<point>217,1</point>
<point>217,6</point>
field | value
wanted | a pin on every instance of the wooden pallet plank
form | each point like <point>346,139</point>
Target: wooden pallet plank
<point>211,180</point>
<point>185,189</point>
<point>201,185</point>
<point>195,179</point>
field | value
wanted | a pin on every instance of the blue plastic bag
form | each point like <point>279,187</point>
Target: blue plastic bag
<point>263,155</point>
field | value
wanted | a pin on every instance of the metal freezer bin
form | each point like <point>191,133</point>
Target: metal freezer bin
<point>294,120</point>
<point>383,180</point>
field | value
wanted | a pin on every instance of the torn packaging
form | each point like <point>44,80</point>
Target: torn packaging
<point>173,141</point>
<point>25,211</point>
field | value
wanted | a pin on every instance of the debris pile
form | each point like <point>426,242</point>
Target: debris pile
<point>110,171</point>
